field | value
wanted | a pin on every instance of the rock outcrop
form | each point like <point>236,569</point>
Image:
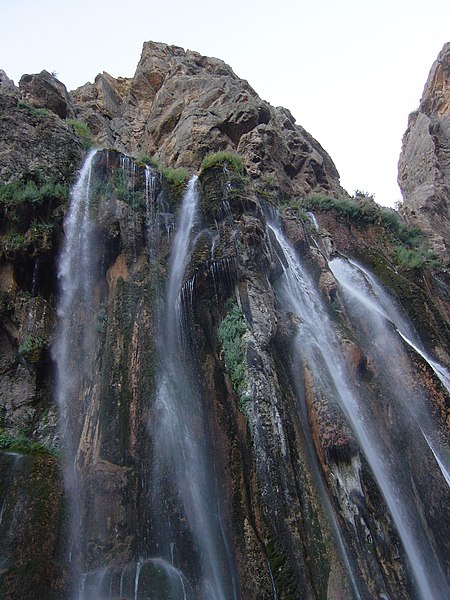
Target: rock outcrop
<point>181,105</point>
<point>424,166</point>
<point>46,91</point>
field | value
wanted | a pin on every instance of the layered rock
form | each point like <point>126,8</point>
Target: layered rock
<point>424,166</point>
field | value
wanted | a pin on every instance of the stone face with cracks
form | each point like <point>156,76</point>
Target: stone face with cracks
<point>181,105</point>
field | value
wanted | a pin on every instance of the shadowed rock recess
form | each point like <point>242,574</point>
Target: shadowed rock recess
<point>221,377</point>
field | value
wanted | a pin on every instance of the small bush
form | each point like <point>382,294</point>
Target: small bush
<point>416,258</point>
<point>176,179</point>
<point>34,112</point>
<point>296,206</point>
<point>223,158</point>
<point>82,131</point>
<point>18,192</point>
<point>230,334</point>
<point>148,160</point>
<point>33,347</point>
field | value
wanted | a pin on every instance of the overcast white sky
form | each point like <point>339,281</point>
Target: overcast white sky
<point>350,71</point>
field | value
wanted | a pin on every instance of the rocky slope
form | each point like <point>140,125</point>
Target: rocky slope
<point>292,484</point>
<point>424,166</point>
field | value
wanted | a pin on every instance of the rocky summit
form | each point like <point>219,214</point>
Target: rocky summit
<point>221,377</point>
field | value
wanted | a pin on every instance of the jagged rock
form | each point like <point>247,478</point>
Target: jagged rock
<point>181,105</point>
<point>424,166</point>
<point>43,90</point>
<point>7,85</point>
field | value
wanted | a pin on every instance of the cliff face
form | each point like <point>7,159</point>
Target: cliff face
<point>424,166</point>
<point>180,105</point>
<point>210,373</point>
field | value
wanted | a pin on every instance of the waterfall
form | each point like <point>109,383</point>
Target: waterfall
<point>181,442</point>
<point>374,310</point>
<point>72,350</point>
<point>317,345</point>
<point>150,211</point>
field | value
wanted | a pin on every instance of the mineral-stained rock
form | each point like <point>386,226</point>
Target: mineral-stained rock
<point>181,105</point>
<point>424,166</point>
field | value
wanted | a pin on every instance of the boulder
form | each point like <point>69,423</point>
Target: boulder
<point>43,90</point>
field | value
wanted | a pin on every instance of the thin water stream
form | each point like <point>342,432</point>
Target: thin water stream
<point>181,438</point>
<point>377,313</point>
<point>73,345</point>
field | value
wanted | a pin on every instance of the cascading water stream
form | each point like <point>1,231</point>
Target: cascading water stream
<point>180,437</point>
<point>377,313</point>
<point>150,212</point>
<point>317,345</point>
<point>72,348</point>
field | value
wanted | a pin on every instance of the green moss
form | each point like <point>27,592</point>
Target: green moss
<point>82,131</point>
<point>230,334</point>
<point>220,159</point>
<point>282,572</point>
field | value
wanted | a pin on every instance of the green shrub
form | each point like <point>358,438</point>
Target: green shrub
<point>230,334</point>
<point>148,160</point>
<point>33,347</point>
<point>223,158</point>
<point>34,112</point>
<point>82,131</point>
<point>12,242</point>
<point>176,180</point>
<point>410,251</point>
<point>295,205</point>
<point>133,198</point>
<point>361,210</point>
<point>23,444</point>
<point>18,192</point>
<point>416,258</point>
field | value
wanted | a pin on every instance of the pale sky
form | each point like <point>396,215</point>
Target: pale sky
<point>349,71</point>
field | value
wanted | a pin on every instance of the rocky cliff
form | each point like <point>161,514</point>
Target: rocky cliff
<point>198,378</point>
<point>424,166</point>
